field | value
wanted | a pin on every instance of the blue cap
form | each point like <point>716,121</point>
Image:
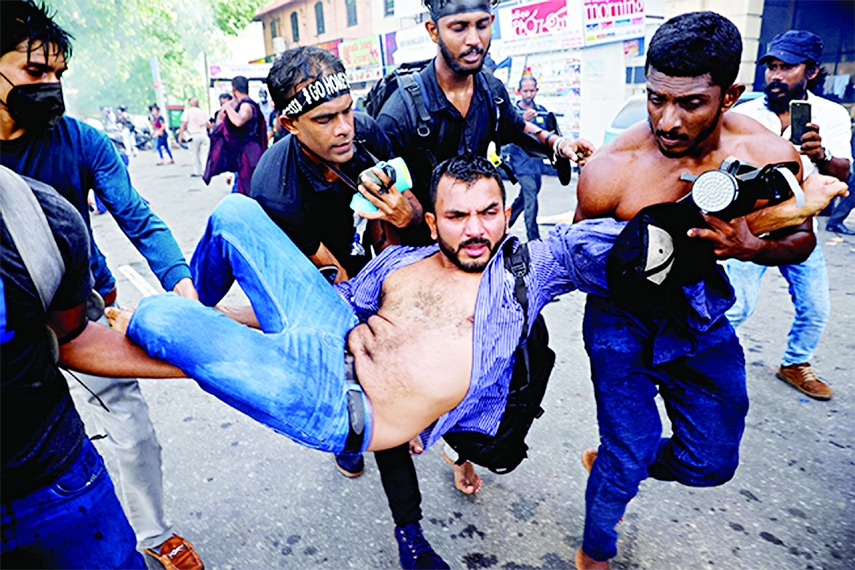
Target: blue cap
<point>793,47</point>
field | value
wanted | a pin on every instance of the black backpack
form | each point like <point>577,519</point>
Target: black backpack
<point>503,452</point>
<point>408,77</point>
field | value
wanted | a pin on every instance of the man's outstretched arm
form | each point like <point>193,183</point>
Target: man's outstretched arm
<point>819,191</point>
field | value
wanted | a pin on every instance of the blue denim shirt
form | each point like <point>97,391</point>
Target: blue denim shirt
<point>572,257</point>
<point>74,158</point>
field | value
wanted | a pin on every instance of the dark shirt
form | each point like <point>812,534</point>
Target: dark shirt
<point>310,210</point>
<point>520,161</point>
<point>450,132</point>
<point>41,431</point>
<point>74,158</point>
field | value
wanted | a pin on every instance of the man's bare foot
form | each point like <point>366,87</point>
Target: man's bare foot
<point>465,478</point>
<point>119,318</point>
<point>416,446</point>
<point>244,315</point>
<point>585,562</point>
<point>588,457</point>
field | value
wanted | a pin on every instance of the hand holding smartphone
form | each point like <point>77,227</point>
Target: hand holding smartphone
<point>799,118</point>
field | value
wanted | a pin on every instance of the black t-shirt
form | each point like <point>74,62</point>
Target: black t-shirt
<point>451,133</point>
<point>41,431</point>
<point>309,209</point>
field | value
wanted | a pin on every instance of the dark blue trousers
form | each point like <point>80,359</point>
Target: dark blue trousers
<point>705,399</point>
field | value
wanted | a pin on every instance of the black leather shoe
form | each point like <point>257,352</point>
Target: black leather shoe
<point>350,465</point>
<point>840,229</point>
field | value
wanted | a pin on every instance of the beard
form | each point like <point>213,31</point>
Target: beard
<point>779,102</point>
<point>703,135</point>
<point>453,255</point>
<point>451,60</point>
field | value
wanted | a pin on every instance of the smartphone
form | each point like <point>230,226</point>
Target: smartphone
<point>799,118</point>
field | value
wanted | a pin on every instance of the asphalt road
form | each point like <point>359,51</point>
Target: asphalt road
<point>249,498</point>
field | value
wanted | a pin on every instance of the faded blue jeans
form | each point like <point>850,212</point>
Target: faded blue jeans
<point>705,398</point>
<point>808,283</point>
<point>75,522</point>
<point>526,203</point>
<point>291,377</point>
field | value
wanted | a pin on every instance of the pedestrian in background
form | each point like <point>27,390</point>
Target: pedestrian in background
<point>527,168</point>
<point>792,66</point>
<point>159,132</point>
<point>194,121</point>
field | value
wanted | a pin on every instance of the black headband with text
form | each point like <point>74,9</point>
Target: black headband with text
<point>317,93</point>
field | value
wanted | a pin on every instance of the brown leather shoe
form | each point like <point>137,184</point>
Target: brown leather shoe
<point>177,554</point>
<point>804,379</point>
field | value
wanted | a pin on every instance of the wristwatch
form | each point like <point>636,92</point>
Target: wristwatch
<point>826,157</point>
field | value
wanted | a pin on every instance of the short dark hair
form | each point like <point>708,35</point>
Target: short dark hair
<point>226,97</point>
<point>436,6</point>
<point>528,78</point>
<point>25,20</point>
<point>694,44</point>
<point>297,65</point>
<point>466,168</point>
<point>240,84</point>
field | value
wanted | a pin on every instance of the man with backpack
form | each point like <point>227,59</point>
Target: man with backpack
<point>433,111</point>
<point>37,139</point>
<point>60,508</point>
<point>450,106</point>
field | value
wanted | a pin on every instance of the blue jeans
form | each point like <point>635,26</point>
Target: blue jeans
<point>527,201</point>
<point>291,378</point>
<point>808,283</point>
<point>76,522</point>
<point>705,398</point>
<point>843,205</point>
<point>163,143</point>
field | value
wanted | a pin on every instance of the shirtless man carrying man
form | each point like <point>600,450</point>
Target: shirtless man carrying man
<point>691,66</point>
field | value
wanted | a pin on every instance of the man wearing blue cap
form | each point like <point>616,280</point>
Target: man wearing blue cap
<point>792,67</point>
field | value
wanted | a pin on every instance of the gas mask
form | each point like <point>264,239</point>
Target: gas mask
<point>35,106</point>
<point>735,188</point>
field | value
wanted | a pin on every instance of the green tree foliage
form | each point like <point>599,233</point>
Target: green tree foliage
<point>114,41</point>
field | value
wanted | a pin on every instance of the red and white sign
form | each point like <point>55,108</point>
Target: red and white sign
<point>542,26</point>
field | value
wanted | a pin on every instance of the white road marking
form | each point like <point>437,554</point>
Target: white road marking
<point>138,281</point>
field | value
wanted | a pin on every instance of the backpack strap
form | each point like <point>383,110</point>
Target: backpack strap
<point>495,107</point>
<point>31,233</point>
<point>413,89</point>
<point>517,262</point>
<point>413,86</point>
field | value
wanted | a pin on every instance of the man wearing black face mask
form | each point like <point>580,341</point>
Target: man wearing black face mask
<point>38,141</point>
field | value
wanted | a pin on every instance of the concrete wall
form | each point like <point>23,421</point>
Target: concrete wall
<point>603,88</point>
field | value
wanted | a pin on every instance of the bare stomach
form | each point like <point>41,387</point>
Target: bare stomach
<point>412,374</point>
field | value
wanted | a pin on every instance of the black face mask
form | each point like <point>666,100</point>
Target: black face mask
<point>35,106</point>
